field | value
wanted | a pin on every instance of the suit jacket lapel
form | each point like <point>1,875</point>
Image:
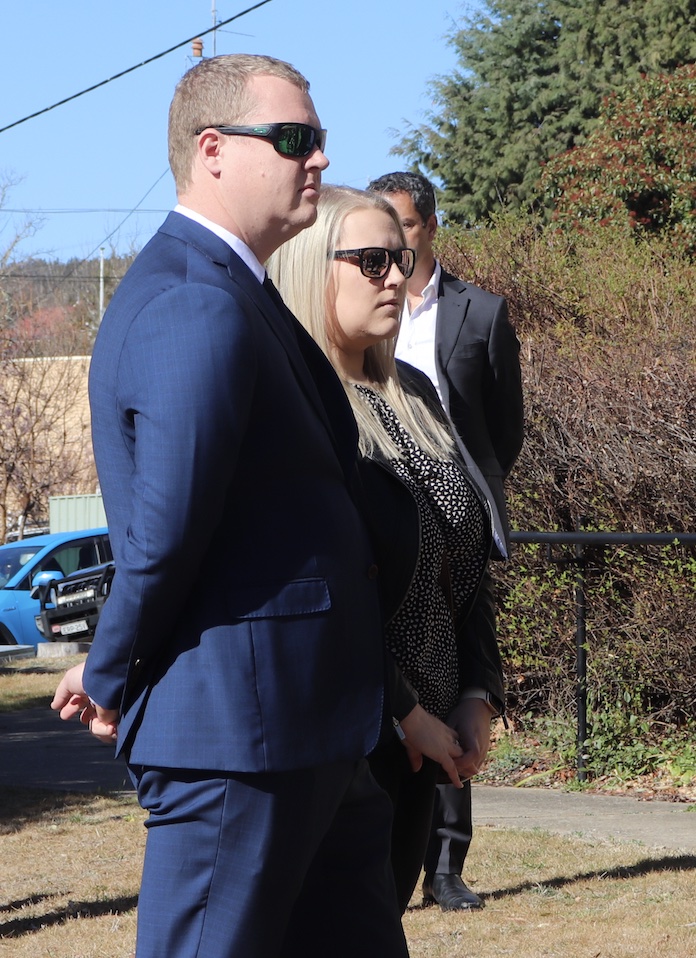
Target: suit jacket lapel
<point>313,370</point>
<point>452,307</point>
<point>314,373</point>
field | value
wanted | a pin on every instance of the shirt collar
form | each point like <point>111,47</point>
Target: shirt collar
<point>239,247</point>
<point>431,287</point>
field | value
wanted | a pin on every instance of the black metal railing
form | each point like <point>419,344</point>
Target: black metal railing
<point>580,540</point>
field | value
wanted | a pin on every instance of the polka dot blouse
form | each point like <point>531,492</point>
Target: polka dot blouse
<point>453,553</point>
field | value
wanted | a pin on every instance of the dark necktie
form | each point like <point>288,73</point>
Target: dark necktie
<point>278,301</point>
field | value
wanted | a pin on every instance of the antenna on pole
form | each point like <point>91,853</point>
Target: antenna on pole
<point>214,16</point>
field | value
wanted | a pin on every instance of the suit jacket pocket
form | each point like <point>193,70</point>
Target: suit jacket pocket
<point>273,600</point>
<point>471,349</point>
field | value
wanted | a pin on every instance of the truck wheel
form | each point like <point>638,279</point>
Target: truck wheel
<point>6,637</point>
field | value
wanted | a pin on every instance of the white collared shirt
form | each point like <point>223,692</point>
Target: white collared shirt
<point>416,340</point>
<point>239,247</point>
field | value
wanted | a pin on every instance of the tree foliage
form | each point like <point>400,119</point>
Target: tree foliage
<point>529,84</point>
<point>638,166</point>
<point>607,323</point>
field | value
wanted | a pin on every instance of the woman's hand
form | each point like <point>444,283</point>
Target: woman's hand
<point>427,735</point>
<point>471,721</point>
<point>71,698</point>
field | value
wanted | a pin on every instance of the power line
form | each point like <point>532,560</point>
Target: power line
<point>135,208</point>
<point>59,279</point>
<point>50,212</point>
<point>106,238</point>
<point>117,76</point>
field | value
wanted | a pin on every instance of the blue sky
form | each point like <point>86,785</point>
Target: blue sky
<point>92,160</point>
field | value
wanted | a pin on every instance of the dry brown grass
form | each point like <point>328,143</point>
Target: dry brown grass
<point>30,683</point>
<point>549,896</point>
<point>71,869</point>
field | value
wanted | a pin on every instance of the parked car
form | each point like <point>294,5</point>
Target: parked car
<point>60,553</point>
<point>70,607</point>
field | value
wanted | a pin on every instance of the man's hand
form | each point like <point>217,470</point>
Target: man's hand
<point>471,720</point>
<point>427,735</point>
<point>71,698</point>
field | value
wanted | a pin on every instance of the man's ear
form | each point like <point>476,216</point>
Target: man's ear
<point>431,226</point>
<point>209,143</point>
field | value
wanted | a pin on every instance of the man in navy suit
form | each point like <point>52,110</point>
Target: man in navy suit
<point>461,337</point>
<point>238,662</point>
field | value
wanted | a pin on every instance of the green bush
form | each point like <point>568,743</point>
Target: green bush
<point>607,325</point>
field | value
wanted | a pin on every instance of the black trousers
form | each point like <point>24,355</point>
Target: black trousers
<point>450,834</point>
<point>412,795</point>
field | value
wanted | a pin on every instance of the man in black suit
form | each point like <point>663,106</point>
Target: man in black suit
<point>461,337</point>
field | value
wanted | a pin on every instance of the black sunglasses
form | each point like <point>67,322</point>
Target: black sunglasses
<point>375,261</point>
<point>290,139</point>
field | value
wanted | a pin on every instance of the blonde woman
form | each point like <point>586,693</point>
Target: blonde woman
<point>345,280</point>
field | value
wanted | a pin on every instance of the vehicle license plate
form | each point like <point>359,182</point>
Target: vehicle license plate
<point>70,628</point>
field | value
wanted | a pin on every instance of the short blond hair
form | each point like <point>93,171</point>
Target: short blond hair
<point>215,93</point>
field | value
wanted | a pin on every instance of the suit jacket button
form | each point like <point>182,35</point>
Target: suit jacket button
<point>372,572</point>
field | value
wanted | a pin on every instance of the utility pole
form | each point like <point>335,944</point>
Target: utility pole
<point>101,284</point>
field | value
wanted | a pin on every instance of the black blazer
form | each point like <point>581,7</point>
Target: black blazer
<point>393,523</point>
<point>478,369</point>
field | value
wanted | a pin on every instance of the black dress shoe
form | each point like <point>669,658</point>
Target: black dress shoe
<point>450,893</point>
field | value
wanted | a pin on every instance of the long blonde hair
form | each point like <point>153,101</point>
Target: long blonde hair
<point>302,269</point>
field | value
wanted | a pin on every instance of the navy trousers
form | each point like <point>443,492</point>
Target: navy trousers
<point>273,865</point>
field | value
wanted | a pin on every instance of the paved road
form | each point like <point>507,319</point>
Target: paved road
<point>38,750</point>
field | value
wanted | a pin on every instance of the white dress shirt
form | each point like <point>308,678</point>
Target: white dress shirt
<point>416,340</point>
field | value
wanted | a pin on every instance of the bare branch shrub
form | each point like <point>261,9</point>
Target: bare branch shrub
<point>45,445</point>
<point>608,333</point>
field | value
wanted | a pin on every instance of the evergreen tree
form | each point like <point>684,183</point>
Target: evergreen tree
<point>530,81</point>
<point>638,165</point>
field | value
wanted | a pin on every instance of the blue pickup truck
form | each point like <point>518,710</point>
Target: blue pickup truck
<point>43,559</point>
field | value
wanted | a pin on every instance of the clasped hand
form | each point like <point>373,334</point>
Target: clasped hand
<point>460,746</point>
<point>70,699</point>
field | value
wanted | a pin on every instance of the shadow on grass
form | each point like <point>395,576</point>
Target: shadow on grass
<point>648,866</point>
<point>17,927</point>
<point>26,701</point>
<point>24,902</point>
<point>22,807</point>
<point>50,667</point>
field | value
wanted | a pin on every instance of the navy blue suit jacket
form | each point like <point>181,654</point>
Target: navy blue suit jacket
<point>242,632</point>
<point>478,369</point>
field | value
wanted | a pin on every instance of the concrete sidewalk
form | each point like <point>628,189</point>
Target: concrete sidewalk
<point>655,824</point>
<point>38,750</point>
